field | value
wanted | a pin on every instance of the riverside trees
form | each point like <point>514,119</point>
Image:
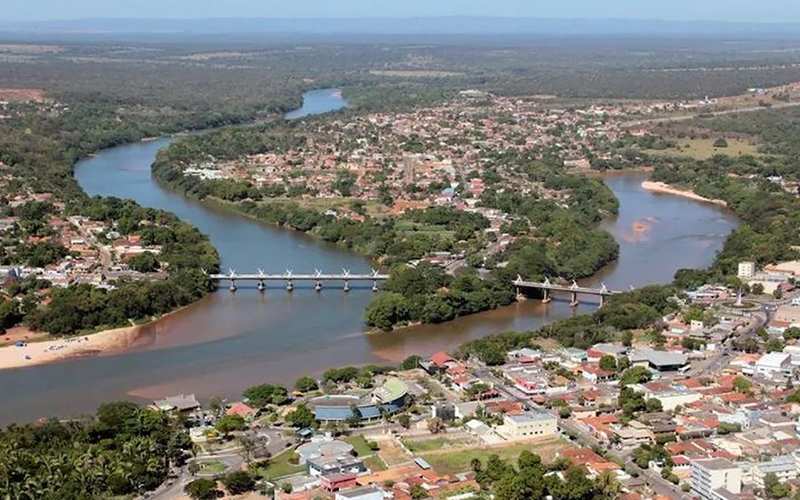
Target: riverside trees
<point>123,450</point>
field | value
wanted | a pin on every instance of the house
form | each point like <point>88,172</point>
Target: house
<point>179,403</point>
<point>586,457</point>
<point>597,351</point>
<point>595,374</point>
<point>336,482</point>
<point>670,396</point>
<point>363,493</point>
<point>438,363</point>
<point>241,409</point>
<point>343,464</point>
<point>715,479</point>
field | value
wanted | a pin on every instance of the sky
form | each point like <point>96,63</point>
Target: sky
<point>683,10</point>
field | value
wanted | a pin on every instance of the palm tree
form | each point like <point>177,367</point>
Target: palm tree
<point>607,486</point>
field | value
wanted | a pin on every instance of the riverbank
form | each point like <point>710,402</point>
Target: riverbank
<point>661,187</point>
<point>50,351</point>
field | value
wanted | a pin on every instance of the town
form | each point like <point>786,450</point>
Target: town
<point>704,406</point>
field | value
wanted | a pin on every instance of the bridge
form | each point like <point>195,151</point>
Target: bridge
<point>574,290</point>
<point>288,277</point>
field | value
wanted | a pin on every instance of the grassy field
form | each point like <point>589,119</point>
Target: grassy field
<point>280,466</point>
<point>212,467</point>
<point>703,149</point>
<point>359,443</point>
<point>370,457</point>
<point>425,445</point>
<point>455,461</point>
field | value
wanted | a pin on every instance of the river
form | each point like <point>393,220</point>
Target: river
<point>227,342</point>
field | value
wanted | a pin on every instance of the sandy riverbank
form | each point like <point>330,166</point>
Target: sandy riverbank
<point>48,351</point>
<point>660,187</point>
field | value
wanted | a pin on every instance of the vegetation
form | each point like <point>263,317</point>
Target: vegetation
<point>122,450</point>
<point>529,479</point>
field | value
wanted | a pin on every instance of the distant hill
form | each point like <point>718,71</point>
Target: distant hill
<point>406,26</point>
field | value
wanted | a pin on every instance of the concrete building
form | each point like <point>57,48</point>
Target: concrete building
<point>662,361</point>
<point>774,363</point>
<point>670,396</point>
<point>715,479</point>
<point>784,467</point>
<point>746,270</point>
<point>529,425</point>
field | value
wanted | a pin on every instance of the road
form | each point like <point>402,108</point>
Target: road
<point>683,118</point>
<point>654,480</point>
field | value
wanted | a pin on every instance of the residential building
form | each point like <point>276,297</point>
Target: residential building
<point>715,478</point>
<point>784,467</point>
<point>363,493</point>
<point>746,270</point>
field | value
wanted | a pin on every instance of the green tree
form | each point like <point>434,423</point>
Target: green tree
<point>202,489</point>
<point>608,363</point>
<point>239,482</point>
<point>774,488</point>
<point>742,385</point>
<point>264,394</point>
<point>635,375</point>
<point>306,384</point>
<point>301,417</point>
<point>230,423</point>
<point>387,310</point>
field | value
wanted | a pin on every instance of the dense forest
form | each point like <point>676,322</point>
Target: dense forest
<point>123,450</point>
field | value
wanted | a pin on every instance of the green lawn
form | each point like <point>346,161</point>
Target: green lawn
<point>459,460</point>
<point>359,443</point>
<point>214,467</point>
<point>703,149</point>
<point>279,466</point>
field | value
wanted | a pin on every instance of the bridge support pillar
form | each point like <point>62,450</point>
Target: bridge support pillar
<point>318,286</point>
<point>261,286</point>
<point>602,300</point>
<point>346,286</point>
<point>289,285</point>
<point>546,296</point>
<point>232,288</point>
<point>520,295</point>
<point>374,286</point>
<point>574,302</point>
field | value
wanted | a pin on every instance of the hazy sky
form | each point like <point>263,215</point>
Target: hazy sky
<point>725,10</point>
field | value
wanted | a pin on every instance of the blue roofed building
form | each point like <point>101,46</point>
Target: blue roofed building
<point>389,398</point>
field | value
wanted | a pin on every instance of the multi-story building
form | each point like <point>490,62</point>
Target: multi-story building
<point>715,479</point>
<point>746,270</point>
<point>529,425</point>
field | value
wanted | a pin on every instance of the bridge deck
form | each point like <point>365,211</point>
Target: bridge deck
<point>299,277</point>
<point>564,288</point>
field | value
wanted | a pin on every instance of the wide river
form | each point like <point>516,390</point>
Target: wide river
<point>228,341</point>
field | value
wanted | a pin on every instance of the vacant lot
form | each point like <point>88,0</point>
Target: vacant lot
<point>426,445</point>
<point>703,149</point>
<point>447,461</point>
